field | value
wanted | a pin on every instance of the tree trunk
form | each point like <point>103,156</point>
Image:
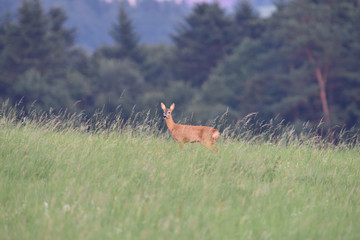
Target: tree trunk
<point>321,78</point>
<point>322,84</point>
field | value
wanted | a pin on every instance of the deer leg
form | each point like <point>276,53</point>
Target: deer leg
<point>204,143</point>
<point>215,148</point>
<point>211,144</point>
<point>208,144</point>
<point>181,143</point>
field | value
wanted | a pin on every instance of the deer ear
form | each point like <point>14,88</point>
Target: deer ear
<point>163,106</point>
<point>172,106</point>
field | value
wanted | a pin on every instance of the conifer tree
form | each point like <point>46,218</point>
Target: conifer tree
<point>126,40</point>
<point>61,40</point>
<point>35,59</point>
<point>315,41</point>
<point>304,67</point>
<point>32,45</point>
<point>247,23</point>
<point>8,71</point>
<point>203,40</point>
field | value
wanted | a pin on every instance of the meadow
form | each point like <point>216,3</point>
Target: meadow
<point>60,180</point>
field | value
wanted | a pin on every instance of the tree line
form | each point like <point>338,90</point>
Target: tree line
<point>300,64</point>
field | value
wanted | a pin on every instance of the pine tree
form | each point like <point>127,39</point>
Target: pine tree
<point>36,55</point>
<point>126,40</point>
<point>33,47</point>
<point>315,41</point>
<point>304,67</point>
<point>247,23</point>
<point>62,43</point>
<point>8,70</point>
<point>244,82</point>
<point>344,87</point>
<point>203,40</point>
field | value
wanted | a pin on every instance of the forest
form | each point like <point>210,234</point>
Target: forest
<point>301,64</point>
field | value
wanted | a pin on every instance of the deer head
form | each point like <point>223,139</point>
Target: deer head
<point>167,111</point>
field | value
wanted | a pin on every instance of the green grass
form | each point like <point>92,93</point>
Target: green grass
<point>72,184</point>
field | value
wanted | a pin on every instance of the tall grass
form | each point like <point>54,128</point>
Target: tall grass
<point>65,176</point>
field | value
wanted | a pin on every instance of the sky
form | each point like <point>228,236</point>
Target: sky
<point>225,3</point>
<point>264,11</point>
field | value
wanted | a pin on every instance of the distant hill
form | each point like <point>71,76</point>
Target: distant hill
<point>154,21</point>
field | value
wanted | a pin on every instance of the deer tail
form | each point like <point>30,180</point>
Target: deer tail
<point>215,134</point>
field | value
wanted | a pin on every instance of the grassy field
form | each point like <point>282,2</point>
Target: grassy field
<point>74,184</point>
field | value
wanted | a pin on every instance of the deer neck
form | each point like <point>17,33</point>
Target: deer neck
<point>170,123</point>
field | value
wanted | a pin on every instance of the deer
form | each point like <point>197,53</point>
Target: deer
<point>182,134</point>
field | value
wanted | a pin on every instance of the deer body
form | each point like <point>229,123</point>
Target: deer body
<point>182,134</point>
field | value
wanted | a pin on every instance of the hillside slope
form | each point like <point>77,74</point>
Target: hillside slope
<point>153,20</point>
<point>72,184</point>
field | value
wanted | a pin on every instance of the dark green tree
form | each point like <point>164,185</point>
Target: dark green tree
<point>157,67</point>
<point>126,40</point>
<point>36,54</point>
<point>247,23</point>
<point>316,37</point>
<point>25,46</point>
<point>344,85</point>
<point>32,45</point>
<point>303,67</point>
<point>117,83</point>
<point>244,82</point>
<point>201,41</point>
<point>61,43</point>
<point>8,71</point>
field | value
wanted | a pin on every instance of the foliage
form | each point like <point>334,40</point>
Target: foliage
<point>35,57</point>
<point>301,64</point>
<point>296,66</point>
<point>247,23</point>
<point>239,81</point>
<point>126,40</point>
<point>121,83</point>
<point>201,42</point>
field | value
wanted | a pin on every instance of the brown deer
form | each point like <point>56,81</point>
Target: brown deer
<point>182,134</point>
